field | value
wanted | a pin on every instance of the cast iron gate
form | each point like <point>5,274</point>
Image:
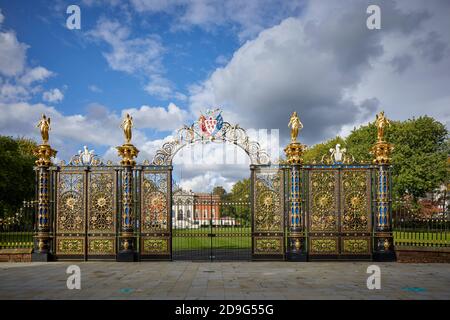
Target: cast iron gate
<point>205,227</point>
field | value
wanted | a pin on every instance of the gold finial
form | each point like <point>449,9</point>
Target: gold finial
<point>44,126</point>
<point>381,122</point>
<point>295,125</point>
<point>126,125</point>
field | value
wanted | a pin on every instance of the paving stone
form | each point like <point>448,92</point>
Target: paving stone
<point>228,280</point>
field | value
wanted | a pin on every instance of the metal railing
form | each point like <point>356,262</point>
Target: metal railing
<point>419,226</point>
<point>16,231</point>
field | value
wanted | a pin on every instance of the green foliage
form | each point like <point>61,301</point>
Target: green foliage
<point>220,191</point>
<point>420,156</point>
<point>421,148</point>
<point>240,193</point>
<point>16,173</point>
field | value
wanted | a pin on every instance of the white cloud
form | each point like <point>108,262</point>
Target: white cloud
<point>53,95</point>
<point>17,79</point>
<point>246,17</point>
<point>334,71</point>
<point>139,56</point>
<point>2,17</point>
<point>162,119</point>
<point>35,74</point>
<point>94,88</point>
<point>12,53</point>
<point>206,182</point>
<point>128,54</point>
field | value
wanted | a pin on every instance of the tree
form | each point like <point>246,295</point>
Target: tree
<point>240,195</point>
<point>421,148</point>
<point>16,173</point>
<point>420,156</point>
<point>220,191</point>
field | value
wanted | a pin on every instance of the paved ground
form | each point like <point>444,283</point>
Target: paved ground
<point>224,280</point>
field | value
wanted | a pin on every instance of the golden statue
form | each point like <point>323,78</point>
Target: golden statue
<point>381,122</point>
<point>44,126</point>
<point>126,125</point>
<point>295,125</point>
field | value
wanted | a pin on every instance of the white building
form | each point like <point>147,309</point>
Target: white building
<point>183,210</point>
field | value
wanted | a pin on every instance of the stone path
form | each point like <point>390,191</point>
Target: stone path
<point>224,280</point>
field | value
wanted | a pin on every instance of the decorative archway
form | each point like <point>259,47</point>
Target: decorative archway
<point>211,128</point>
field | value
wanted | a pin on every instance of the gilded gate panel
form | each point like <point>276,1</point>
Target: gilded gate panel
<point>155,212</point>
<point>324,245</point>
<point>70,208</point>
<point>154,207</point>
<point>323,193</point>
<point>268,201</point>
<point>102,213</point>
<point>268,212</point>
<point>356,245</point>
<point>355,200</point>
<point>339,211</point>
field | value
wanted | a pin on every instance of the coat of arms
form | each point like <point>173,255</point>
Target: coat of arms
<point>211,122</point>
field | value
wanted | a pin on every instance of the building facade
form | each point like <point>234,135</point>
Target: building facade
<point>193,210</point>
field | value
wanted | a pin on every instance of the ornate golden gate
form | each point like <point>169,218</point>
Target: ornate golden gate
<point>339,211</point>
<point>86,204</point>
<point>335,209</point>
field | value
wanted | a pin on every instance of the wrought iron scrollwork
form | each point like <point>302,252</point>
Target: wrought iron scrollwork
<point>228,133</point>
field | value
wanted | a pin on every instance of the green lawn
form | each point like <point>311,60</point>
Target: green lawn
<point>225,238</point>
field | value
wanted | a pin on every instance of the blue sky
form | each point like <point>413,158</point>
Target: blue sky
<point>165,61</point>
<point>78,61</point>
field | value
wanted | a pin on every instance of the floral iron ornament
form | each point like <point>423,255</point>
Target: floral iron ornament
<point>210,127</point>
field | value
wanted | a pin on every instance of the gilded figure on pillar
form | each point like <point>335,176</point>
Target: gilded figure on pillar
<point>126,125</point>
<point>127,151</point>
<point>382,149</point>
<point>44,127</point>
<point>381,122</point>
<point>295,125</point>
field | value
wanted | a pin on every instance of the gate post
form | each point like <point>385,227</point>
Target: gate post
<point>44,153</point>
<point>294,152</point>
<point>383,237</point>
<point>127,152</point>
